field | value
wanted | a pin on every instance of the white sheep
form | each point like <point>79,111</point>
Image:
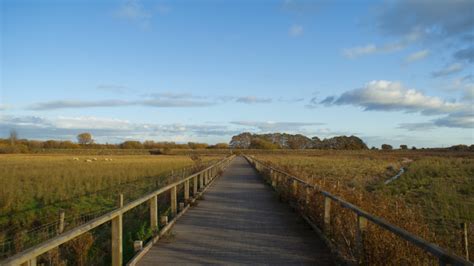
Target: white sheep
<point>94,159</point>
<point>75,159</point>
<point>88,161</point>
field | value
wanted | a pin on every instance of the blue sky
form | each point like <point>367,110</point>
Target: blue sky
<point>398,72</point>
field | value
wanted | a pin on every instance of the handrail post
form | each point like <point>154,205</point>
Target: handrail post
<point>327,213</point>
<point>466,241</point>
<point>117,249</point>
<point>308,195</point>
<point>201,181</point>
<point>61,222</point>
<point>154,213</point>
<point>360,237</point>
<point>186,191</point>
<point>195,185</point>
<point>174,201</point>
<point>295,189</point>
<point>31,262</point>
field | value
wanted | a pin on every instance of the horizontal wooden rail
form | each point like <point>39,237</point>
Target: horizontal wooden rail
<point>444,257</point>
<point>28,257</point>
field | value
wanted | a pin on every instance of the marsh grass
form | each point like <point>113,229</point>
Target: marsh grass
<point>430,200</point>
<point>36,187</point>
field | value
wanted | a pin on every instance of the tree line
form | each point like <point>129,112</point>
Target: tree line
<point>14,144</point>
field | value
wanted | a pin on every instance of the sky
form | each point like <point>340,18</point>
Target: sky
<point>396,72</point>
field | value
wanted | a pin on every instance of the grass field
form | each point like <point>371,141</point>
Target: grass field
<point>36,187</point>
<point>433,197</point>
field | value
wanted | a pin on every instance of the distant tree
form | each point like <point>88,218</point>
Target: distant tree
<point>403,147</point>
<point>373,148</point>
<point>386,147</point>
<point>413,148</point>
<point>195,145</point>
<point>131,144</point>
<point>262,144</point>
<point>13,137</point>
<point>221,146</point>
<point>149,144</point>
<point>85,138</point>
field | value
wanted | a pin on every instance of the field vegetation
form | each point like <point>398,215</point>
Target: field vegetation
<point>35,188</point>
<point>431,199</point>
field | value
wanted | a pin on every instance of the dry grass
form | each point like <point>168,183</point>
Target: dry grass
<point>429,200</point>
<point>36,187</point>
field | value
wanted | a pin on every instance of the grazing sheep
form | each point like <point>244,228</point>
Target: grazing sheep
<point>88,161</point>
<point>75,159</point>
<point>94,159</point>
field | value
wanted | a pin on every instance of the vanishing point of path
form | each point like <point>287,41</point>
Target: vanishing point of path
<point>239,221</point>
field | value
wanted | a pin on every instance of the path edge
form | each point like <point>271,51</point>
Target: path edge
<point>139,255</point>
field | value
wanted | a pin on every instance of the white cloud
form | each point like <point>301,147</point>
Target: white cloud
<point>132,9</point>
<point>416,56</point>
<point>448,70</point>
<point>135,12</point>
<point>393,96</point>
<point>382,95</point>
<point>360,50</point>
<point>115,88</point>
<point>253,99</point>
<point>269,126</point>
<point>108,129</point>
<point>457,120</point>
<point>390,47</point>
<point>296,30</point>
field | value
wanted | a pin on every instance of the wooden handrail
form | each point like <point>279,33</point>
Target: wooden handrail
<point>28,256</point>
<point>443,255</point>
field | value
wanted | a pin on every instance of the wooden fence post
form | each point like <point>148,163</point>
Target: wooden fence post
<point>61,222</point>
<point>295,189</point>
<point>466,242</point>
<point>174,201</point>
<point>186,191</point>
<point>195,186</point>
<point>154,213</point>
<point>360,231</point>
<point>117,249</point>
<point>327,213</point>
<point>201,181</point>
<point>308,195</point>
<point>31,262</point>
<point>163,220</point>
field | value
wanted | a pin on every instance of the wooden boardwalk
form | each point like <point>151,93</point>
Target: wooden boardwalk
<point>239,221</point>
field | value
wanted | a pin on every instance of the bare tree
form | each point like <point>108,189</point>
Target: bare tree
<point>13,137</point>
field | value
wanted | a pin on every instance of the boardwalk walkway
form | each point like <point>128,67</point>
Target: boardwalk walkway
<point>240,221</point>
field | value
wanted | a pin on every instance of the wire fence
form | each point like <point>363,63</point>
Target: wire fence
<point>16,240</point>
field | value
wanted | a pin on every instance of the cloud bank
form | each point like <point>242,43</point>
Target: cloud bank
<point>382,95</point>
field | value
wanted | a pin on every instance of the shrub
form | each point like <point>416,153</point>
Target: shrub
<point>386,147</point>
